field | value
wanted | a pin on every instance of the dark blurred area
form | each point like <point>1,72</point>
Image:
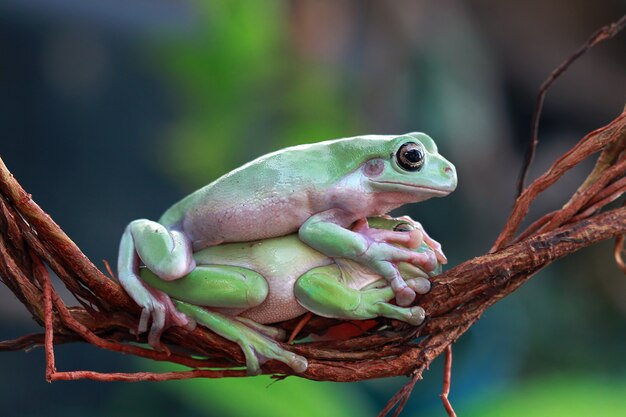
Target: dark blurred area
<point>113,110</point>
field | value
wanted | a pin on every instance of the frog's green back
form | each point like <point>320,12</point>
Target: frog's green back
<point>290,170</point>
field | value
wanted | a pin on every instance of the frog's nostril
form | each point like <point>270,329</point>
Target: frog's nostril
<point>447,170</point>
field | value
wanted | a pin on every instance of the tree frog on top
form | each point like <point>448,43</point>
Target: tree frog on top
<point>236,288</point>
<point>317,190</point>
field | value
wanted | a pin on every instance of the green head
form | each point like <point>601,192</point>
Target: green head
<point>411,165</point>
<point>408,165</point>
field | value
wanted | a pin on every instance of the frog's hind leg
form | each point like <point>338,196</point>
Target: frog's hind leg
<point>273,332</point>
<point>255,346</point>
<point>169,255</point>
<point>321,292</point>
<point>217,286</point>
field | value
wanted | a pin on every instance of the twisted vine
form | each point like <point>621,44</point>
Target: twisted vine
<point>106,316</point>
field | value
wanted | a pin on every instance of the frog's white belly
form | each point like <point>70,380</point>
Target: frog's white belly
<point>281,303</point>
<point>281,261</point>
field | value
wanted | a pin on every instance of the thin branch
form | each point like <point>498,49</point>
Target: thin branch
<point>400,397</point>
<point>30,240</point>
<point>48,321</point>
<point>590,144</point>
<point>602,34</point>
<point>447,380</point>
<point>144,376</point>
<point>584,196</point>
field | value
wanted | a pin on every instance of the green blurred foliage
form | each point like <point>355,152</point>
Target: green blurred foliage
<point>562,395</point>
<point>243,91</point>
<point>237,57</point>
<point>264,397</point>
<point>242,85</point>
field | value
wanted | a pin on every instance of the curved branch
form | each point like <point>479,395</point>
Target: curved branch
<point>459,297</point>
<point>30,239</point>
<point>602,34</point>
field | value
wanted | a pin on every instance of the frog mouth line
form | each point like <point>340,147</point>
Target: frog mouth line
<point>442,191</point>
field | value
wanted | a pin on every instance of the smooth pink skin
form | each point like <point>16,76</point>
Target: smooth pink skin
<point>436,246</point>
<point>164,316</point>
<point>412,239</point>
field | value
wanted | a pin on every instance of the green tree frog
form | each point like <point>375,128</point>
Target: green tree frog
<point>237,288</point>
<point>317,190</point>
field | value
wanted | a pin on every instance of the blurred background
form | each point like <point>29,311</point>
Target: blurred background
<point>113,110</point>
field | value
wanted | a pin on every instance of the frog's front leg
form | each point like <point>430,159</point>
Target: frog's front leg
<point>327,233</point>
<point>168,254</point>
<point>321,291</point>
<point>256,347</point>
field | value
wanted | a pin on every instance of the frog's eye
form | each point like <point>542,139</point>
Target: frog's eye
<point>410,156</point>
<point>403,227</point>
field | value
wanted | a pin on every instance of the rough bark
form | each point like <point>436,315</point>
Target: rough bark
<point>30,239</point>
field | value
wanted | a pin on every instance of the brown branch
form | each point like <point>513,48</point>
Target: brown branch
<point>590,144</point>
<point>602,34</point>
<point>447,380</point>
<point>30,239</point>
<point>457,300</point>
<point>402,395</point>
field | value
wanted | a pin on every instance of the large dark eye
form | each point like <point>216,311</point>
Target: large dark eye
<point>410,156</point>
<point>403,227</point>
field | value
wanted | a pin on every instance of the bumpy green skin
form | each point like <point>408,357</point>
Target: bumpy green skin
<point>253,343</point>
<point>317,190</point>
<point>246,285</point>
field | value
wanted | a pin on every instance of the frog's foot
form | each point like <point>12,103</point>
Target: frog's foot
<point>434,245</point>
<point>257,355</point>
<point>321,292</point>
<point>270,331</point>
<point>156,307</point>
<point>414,315</point>
<point>383,258</point>
<point>419,285</point>
<point>256,346</point>
<point>409,237</point>
<point>164,315</point>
